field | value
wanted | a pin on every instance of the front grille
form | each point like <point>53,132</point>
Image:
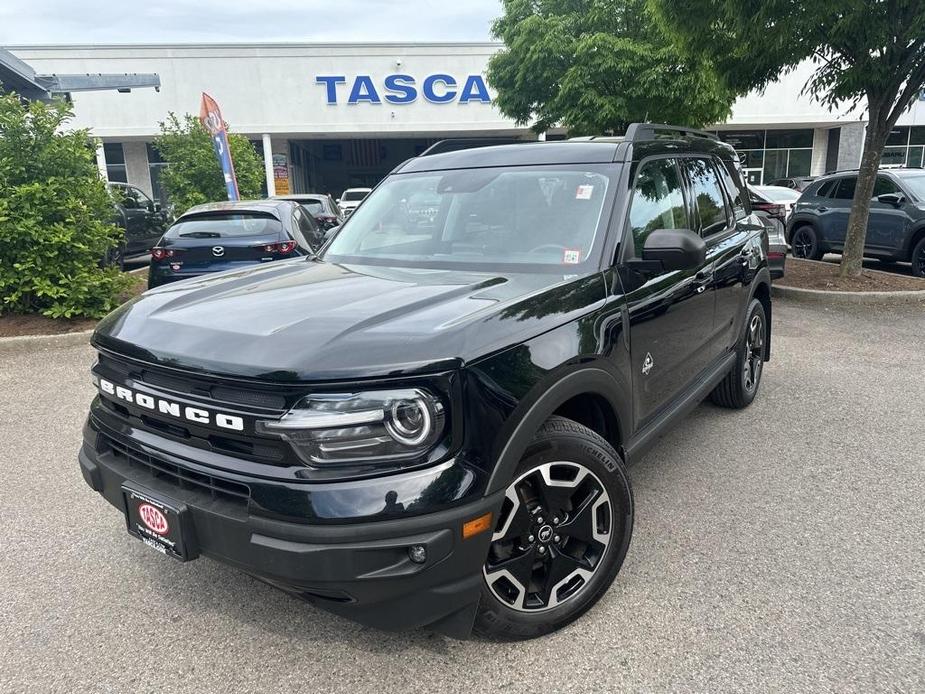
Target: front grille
<point>176,475</point>
<point>195,385</point>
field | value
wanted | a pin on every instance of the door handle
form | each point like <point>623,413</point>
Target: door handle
<point>823,208</point>
<point>702,279</point>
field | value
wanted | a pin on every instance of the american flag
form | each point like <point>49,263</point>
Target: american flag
<point>366,153</point>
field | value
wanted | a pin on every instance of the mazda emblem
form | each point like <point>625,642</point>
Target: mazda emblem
<point>218,251</point>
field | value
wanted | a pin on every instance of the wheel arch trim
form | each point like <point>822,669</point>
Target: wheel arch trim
<point>916,234</point>
<point>589,380</point>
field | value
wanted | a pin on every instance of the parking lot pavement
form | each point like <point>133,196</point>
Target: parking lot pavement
<point>778,548</point>
<point>902,268</point>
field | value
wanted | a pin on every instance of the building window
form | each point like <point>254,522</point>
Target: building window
<point>767,155</point>
<point>115,162</point>
<point>905,146</point>
<point>156,166</point>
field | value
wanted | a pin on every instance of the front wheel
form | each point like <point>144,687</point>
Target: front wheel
<point>805,243</point>
<point>561,536</point>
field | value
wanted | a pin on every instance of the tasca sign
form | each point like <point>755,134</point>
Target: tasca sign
<point>403,89</point>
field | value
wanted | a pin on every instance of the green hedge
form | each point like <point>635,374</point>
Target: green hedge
<point>55,216</point>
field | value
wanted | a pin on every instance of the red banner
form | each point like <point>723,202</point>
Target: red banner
<point>210,115</point>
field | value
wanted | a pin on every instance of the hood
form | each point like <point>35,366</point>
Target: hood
<point>307,320</point>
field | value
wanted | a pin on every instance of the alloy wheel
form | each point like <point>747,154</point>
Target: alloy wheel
<point>754,353</point>
<point>552,534</point>
<point>802,244</point>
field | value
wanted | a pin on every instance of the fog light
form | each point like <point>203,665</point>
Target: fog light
<point>417,554</point>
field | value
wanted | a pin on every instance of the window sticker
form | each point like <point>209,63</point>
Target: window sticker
<point>571,256</point>
<point>584,192</point>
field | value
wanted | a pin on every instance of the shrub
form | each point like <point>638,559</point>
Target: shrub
<point>193,175</point>
<point>55,216</point>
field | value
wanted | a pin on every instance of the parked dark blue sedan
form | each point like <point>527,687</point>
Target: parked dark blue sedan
<point>230,235</point>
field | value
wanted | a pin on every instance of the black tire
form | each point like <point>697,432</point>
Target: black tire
<point>117,257</point>
<point>805,243</point>
<point>918,258</point>
<point>740,386</point>
<point>589,496</point>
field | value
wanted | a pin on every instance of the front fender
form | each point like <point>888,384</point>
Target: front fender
<point>541,402</point>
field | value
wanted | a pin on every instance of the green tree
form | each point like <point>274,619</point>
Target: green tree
<point>56,216</point>
<point>193,175</point>
<point>595,66</point>
<point>864,51</point>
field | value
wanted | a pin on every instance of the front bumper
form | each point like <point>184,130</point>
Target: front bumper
<point>361,571</point>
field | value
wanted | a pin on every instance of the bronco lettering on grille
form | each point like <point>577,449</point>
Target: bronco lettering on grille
<point>174,409</point>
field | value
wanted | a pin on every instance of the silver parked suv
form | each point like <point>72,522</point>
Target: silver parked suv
<point>895,232</point>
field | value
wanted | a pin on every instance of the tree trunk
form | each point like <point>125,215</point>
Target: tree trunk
<point>853,253</point>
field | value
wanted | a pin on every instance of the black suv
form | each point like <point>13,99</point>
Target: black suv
<point>895,230</point>
<point>429,424</point>
<point>140,217</point>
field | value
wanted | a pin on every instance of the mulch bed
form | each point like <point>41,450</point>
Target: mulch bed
<point>16,324</point>
<point>810,274</point>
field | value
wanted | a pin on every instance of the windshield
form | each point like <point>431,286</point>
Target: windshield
<point>214,226</point>
<point>778,192</point>
<point>354,195</point>
<point>915,183</point>
<point>313,207</point>
<point>543,217</point>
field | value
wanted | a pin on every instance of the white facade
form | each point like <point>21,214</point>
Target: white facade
<point>272,93</point>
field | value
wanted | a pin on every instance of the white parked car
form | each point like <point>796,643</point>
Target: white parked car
<point>351,198</point>
<point>777,201</point>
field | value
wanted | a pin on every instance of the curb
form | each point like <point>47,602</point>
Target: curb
<point>61,340</point>
<point>820,296</point>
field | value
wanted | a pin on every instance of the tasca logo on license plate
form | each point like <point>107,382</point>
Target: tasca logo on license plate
<point>153,518</point>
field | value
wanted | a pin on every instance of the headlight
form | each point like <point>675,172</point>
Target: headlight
<point>383,426</point>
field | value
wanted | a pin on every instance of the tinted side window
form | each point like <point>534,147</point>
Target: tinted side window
<point>884,186</point>
<point>705,186</point>
<point>734,191</point>
<point>658,201</point>
<point>827,188</point>
<point>845,190</point>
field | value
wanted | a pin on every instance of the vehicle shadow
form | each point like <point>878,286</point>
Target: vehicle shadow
<point>872,264</point>
<point>207,585</point>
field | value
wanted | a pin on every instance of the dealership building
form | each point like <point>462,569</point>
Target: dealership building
<point>326,117</point>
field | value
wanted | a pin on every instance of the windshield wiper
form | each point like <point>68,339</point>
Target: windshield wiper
<point>201,235</point>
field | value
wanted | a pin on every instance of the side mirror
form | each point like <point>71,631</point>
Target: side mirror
<point>330,232</point>
<point>675,249</point>
<point>894,199</point>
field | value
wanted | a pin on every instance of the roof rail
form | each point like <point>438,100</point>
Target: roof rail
<point>458,143</point>
<point>651,131</point>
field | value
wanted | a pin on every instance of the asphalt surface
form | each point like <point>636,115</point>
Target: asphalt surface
<point>778,548</point>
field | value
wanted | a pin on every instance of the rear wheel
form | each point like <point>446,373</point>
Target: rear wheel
<point>116,257</point>
<point>561,536</point>
<point>918,258</point>
<point>740,386</point>
<point>805,243</point>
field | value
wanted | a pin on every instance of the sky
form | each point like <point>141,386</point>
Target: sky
<point>174,21</point>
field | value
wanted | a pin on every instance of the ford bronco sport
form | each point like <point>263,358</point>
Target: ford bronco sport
<point>428,425</point>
